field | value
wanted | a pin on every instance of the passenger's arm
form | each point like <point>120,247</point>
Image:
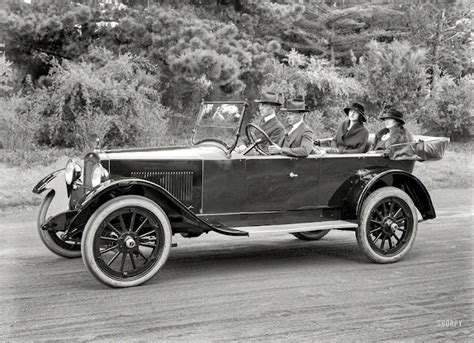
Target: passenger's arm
<point>278,135</point>
<point>305,147</point>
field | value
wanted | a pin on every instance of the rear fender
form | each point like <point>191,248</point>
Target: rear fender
<point>181,218</point>
<point>367,181</point>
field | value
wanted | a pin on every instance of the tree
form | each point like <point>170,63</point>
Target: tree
<point>340,33</point>
<point>445,31</point>
<point>393,75</point>
<point>35,34</point>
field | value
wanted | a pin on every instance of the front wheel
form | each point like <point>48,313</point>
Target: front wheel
<point>311,235</point>
<point>388,223</point>
<point>54,240</point>
<point>126,241</point>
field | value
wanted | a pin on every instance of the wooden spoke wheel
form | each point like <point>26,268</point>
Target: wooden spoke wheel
<point>388,224</point>
<point>126,241</point>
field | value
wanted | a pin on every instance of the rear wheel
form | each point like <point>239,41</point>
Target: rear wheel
<point>388,223</point>
<point>69,247</point>
<point>311,235</point>
<point>126,241</point>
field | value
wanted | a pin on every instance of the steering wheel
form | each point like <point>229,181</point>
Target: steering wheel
<point>256,142</point>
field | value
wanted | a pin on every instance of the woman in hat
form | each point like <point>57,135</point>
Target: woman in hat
<point>394,131</point>
<point>352,135</point>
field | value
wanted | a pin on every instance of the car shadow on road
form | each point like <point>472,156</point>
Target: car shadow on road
<point>264,256</point>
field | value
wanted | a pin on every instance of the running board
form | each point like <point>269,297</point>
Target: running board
<point>299,227</point>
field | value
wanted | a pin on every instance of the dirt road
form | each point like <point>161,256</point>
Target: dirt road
<point>227,288</point>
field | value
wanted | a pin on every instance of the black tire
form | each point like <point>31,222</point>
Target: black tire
<point>389,216</point>
<point>52,240</point>
<point>311,235</point>
<point>126,241</point>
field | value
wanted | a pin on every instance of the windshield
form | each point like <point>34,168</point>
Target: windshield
<point>219,121</point>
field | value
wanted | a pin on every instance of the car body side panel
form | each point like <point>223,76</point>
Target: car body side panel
<point>223,186</point>
<point>336,173</point>
<point>267,184</point>
<point>281,184</point>
<point>305,183</point>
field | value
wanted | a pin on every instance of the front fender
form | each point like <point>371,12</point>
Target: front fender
<point>367,181</point>
<point>55,183</point>
<point>45,182</point>
<point>181,218</point>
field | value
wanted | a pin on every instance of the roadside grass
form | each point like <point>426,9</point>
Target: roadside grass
<point>455,170</point>
<point>20,171</point>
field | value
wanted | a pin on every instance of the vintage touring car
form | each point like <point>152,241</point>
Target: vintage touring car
<point>122,208</point>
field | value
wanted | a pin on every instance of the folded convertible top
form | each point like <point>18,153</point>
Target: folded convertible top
<point>425,148</point>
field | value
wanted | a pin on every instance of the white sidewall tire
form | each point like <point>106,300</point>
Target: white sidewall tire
<point>100,215</point>
<point>311,235</point>
<point>45,235</point>
<point>367,207</point>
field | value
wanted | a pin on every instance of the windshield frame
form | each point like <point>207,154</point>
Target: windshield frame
<point>238,127</point>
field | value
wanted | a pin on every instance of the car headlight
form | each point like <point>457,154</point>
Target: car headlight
<point>72,172</point>
<point>99,174</point>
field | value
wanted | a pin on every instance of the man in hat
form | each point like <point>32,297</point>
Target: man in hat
<point>299,139</point>
<point>268,122</point>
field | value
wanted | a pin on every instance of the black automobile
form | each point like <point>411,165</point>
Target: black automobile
<point>120,210</point>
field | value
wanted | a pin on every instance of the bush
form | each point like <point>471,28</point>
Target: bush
<point>18,125</point>
<point>327,91</point>
<point>105,97</point>
<point>449,110</point>
<point>7,76</point>
<point>393,75</point>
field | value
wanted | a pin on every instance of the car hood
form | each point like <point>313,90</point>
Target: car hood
<point>167,153</point>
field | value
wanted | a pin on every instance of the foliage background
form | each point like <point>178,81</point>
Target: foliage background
<point>134,75</point>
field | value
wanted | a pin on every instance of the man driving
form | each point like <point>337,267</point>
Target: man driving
<point>268,122</point>
<point>298,141</point>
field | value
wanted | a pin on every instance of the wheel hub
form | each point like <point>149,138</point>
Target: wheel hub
<point>389,226</point>
<point>130,243</point>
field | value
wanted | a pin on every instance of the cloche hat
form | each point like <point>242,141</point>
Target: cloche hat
<point>359,108</point>
<point>393,114</point>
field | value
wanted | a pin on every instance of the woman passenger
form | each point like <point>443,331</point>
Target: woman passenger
<point>352,135</point>
<point>394,131</point>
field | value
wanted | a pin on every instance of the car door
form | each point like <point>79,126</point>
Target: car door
<point>280,183</point>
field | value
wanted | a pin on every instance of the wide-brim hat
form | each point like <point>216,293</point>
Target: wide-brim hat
<point>296,105</point>
<point>269,98</point>
<point>359,108</point>
<point>393,113</point>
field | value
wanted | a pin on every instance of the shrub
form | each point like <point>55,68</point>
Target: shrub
<point>327,91</point>
<point>7,76</point>
<point>449,110</point>
<point>393,75</point>
<point>18,125</point>
<point>105,97</point>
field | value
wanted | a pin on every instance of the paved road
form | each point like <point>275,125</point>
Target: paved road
<point>227,288</point>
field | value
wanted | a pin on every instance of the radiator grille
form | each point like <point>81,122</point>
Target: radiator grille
<point>178,183</point>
